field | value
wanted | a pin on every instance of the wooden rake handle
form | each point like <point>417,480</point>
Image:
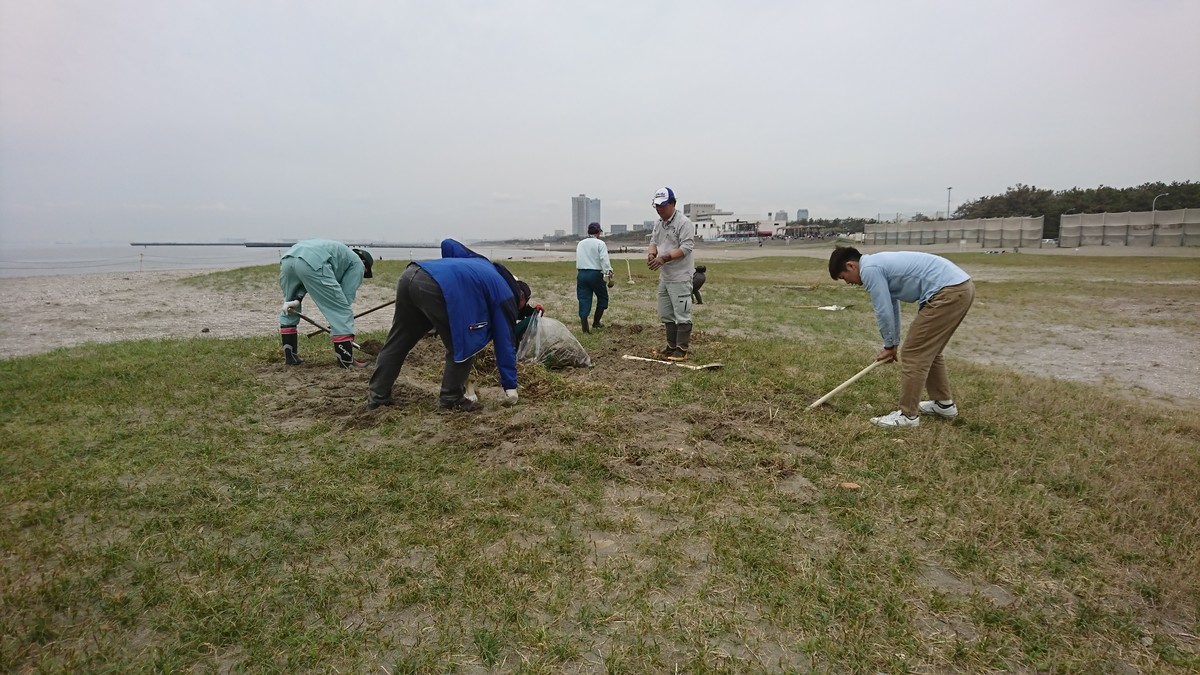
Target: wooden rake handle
<point>321,329</point>
<point>847,383</point>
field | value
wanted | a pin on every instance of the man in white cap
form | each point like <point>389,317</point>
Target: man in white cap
<point>593,276</point>
<point>670,253</point>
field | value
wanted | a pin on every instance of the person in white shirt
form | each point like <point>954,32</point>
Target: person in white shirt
<point>594,276</point>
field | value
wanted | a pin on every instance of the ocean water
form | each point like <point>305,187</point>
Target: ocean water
<point>19,260</point>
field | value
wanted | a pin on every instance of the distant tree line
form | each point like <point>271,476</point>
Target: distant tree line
<point>1027,200</point>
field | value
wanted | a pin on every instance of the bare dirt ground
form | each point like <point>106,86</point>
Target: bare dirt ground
<point>40,314</point>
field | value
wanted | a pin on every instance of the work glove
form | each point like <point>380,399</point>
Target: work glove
<point>610,280</point>
<point>539,310</point>
<point>290,307</point>
<point>510,396</point>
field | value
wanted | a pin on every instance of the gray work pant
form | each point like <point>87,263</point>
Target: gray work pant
<point>420,306</point>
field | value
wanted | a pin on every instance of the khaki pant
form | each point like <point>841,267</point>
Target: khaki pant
<point>921,364</point>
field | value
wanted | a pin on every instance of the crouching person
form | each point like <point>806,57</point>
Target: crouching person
<point>698,278</point>
<point>331,273</point>
<point>469,301</point>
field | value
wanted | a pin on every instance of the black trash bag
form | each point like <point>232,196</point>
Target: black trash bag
<point>549,342</point>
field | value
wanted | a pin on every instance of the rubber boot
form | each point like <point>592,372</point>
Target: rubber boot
<point>343,349</point>
<point>672,336</point>
<point>584,324</point>
<point>684,338</point>
<point>291,345</point>
<point>596,321</point>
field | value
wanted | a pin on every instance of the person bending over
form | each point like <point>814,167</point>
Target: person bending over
<point>943,293</point>
<point>469,301</point>
<point>331,273</point>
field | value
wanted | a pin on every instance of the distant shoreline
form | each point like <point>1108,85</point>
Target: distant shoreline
<point>278,244</point>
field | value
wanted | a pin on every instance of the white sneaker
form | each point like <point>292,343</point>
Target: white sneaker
<point>896,419</point>
<point>935,408</point>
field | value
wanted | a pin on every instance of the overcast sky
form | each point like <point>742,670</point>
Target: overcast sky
<point>412,121</point>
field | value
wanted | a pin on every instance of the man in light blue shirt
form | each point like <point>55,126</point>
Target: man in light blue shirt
<point>594,270</point>
<point>943,293</point>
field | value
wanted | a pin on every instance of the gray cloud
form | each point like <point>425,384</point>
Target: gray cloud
<point>407,120</point>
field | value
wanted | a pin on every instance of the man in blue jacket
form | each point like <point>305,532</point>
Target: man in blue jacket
<point>943,293</point>
<point>470,301</point>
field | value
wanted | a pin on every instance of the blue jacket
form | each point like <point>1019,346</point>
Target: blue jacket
<point>481,301</point>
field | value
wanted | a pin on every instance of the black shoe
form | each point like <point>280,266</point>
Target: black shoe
<point>292,358</point>
<point>678,354</point>
<point>462,405</point>
<point>371,405</point>
<point>597,324</point>
<point>584,324</point>
<point>667,351</point>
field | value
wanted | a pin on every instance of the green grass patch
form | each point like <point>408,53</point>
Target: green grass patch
<point>195,505</point>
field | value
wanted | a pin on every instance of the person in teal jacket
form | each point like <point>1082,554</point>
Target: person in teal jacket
<point>331,273</point>
<point>469,301</point>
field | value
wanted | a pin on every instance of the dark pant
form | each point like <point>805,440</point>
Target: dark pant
<point>420,306</point>
<point>588,282</point>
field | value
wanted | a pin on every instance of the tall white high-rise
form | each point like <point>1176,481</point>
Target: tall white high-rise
<point>584,210</point>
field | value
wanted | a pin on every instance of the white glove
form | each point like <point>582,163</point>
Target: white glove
<point>290,307</point>
<point>510,396</point>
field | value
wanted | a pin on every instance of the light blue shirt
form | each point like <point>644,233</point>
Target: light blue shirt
<point>904,276</point>
<point>592,254</point>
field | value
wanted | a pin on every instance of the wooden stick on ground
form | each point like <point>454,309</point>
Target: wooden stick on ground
<point>707,366</point>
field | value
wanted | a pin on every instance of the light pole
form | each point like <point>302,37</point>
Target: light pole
<point>1154,218</point>
<point>948,202</point>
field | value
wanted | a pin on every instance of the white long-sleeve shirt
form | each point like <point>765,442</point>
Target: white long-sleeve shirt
<point>592,254</point>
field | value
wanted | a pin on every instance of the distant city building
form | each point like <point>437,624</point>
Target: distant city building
<point>584,210</point>
<point>801,214</point>
<point>707,218</point>
<point>593,213</point>
<point>645,225</point>
<point>781,216</point>
<point>560,233</point>
<point>579,215</point>
<point>618,229</point>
